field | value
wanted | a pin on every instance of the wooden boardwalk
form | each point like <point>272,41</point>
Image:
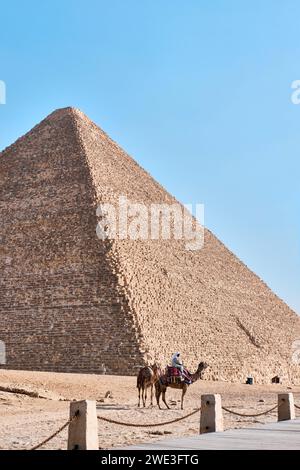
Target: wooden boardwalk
<point>284,435</point>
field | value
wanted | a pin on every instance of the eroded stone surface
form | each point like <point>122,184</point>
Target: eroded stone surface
<point>70,302</point>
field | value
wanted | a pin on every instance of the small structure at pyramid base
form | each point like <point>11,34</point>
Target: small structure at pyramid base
<point>71,302</point>
<point>276,380</point>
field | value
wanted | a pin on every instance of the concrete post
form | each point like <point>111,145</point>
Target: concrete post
<point>211,419</point>
<point>286,407</point>
<point>83,430</point>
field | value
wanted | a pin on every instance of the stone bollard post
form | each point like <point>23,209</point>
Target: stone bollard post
<point>83,431</point>
<point>286,407</point>
<point>211,419</point>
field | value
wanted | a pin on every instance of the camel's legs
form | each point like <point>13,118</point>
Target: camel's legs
<point>139,397</point>
<point>164,397</point>
<point>157,394</point>
<point>184,389</point>
<point>151,404</point>
<point>145,396</point>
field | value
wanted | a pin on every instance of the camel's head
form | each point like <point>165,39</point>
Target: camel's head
<point>201,367</point>
<point>156,369</point>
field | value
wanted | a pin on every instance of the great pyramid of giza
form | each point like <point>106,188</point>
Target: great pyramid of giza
<point>74,303</point>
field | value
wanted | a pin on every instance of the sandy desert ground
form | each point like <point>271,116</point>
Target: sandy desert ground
<point>25,421</point>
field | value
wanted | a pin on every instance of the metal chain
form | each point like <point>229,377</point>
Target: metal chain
<point>252,415</point>
<point>56,432</point>
<point>113,421</point>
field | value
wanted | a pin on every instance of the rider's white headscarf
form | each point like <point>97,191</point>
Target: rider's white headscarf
<point>175,356</point>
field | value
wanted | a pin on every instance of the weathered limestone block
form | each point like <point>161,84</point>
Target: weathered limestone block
<point>211,418</point>
<point>83,430</point>
<point>286,407</point>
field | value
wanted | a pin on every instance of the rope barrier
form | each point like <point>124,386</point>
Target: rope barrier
<point>56,432</point>
<point>113,421</point>
<point>249,416</point>
<point>150,425</point>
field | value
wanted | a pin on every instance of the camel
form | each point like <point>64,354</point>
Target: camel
<point>162,384</point>
<point>147,377</point>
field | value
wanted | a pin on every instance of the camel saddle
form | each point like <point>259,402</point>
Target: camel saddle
<point>174,375</point>
<point>173,371</point>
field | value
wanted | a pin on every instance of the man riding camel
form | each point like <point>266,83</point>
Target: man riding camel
<point>177,362</point>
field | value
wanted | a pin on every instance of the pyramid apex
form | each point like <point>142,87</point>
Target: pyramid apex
<point>68,110</point>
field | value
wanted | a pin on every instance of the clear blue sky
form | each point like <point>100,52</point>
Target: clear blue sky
<point>198,92</point>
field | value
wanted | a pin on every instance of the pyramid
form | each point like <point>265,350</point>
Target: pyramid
<point>72,302</point>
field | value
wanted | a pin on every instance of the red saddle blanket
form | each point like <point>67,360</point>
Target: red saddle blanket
<point>173,375</point>
<point>173,371</point>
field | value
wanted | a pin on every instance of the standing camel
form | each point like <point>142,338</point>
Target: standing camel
<point>147,377</point>
<point>162,384</point>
